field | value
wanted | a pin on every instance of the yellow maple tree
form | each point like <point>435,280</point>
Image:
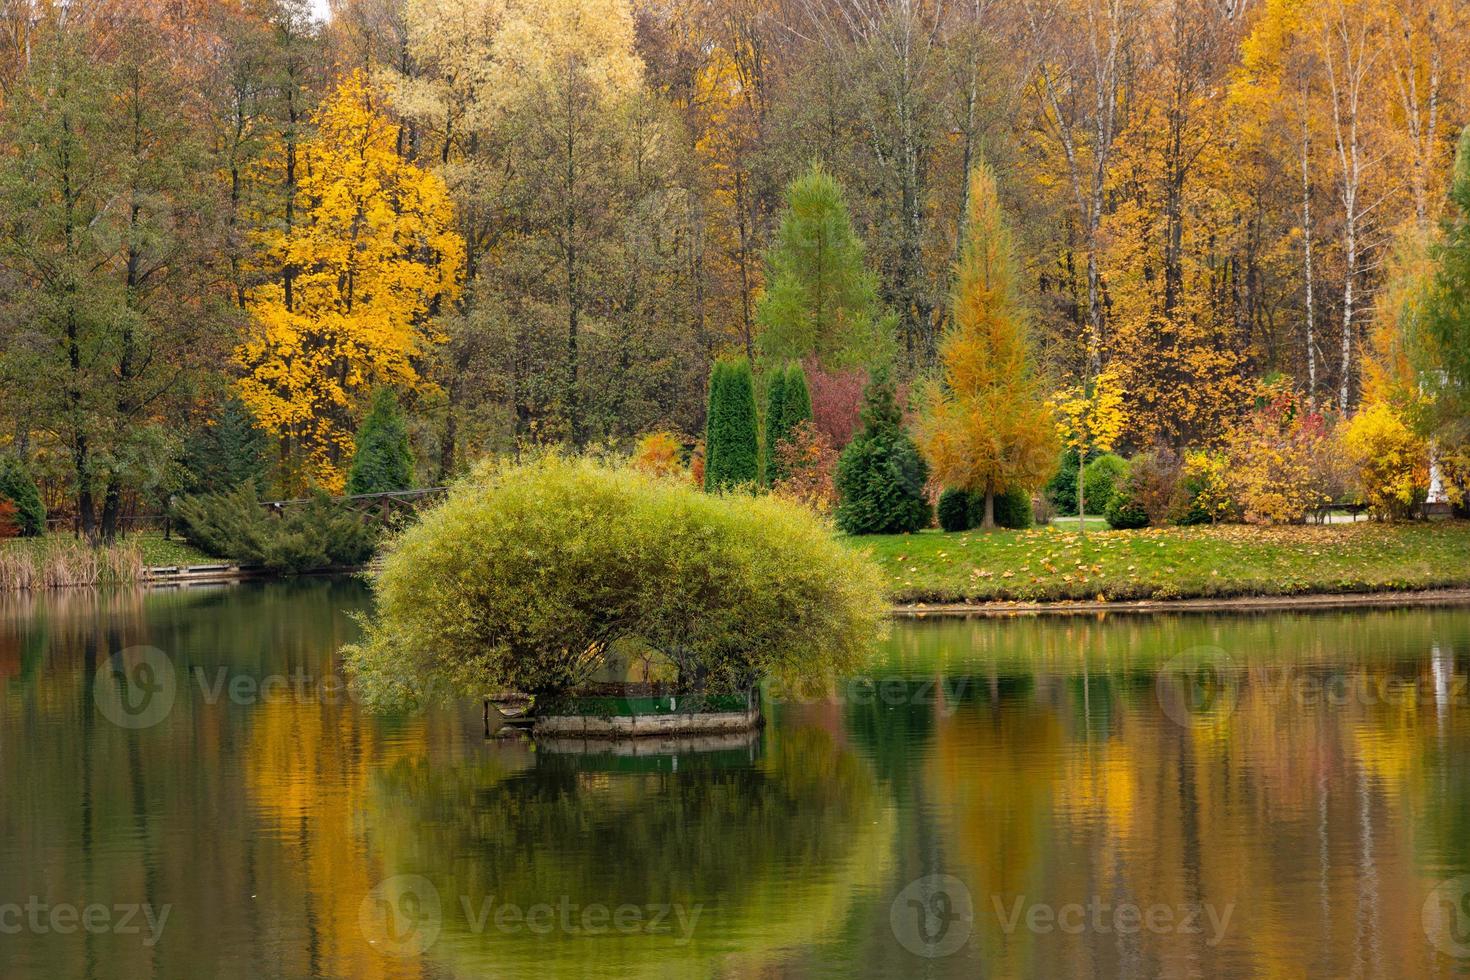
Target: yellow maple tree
<point>348,292</point>
<point>1090,418</point>
<point>985,427</point>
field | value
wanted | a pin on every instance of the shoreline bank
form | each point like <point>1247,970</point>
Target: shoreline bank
<point>1387,598</point>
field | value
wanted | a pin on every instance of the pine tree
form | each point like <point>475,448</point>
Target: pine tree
<point>986,428</point>
<point>788,404</point>
<point>880,475</point>
<point>17,487</point>
<point>821,300</point>
<point>731,440</point>
<point>228,450</point>
<point>383,461</point>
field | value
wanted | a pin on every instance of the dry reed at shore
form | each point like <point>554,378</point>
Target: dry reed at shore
<point>60,563</point>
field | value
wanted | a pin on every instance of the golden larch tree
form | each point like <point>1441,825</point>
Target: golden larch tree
<point>984,425</point>
<point>348,292</point>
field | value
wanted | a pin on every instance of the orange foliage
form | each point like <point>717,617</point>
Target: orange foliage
<point>811,464</point>
<point>658,453</point>
<point>986,428</point>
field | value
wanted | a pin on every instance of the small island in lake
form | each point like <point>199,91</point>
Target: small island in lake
<point>548,578</point>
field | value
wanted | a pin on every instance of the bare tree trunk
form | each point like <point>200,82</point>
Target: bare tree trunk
<point>1350,274</point>
<point>1098,66</point>
<point>1307,266</point>
<point>574,309</point>
<point>1081,492</point>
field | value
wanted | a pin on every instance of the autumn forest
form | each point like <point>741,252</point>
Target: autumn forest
<point>542,221</point>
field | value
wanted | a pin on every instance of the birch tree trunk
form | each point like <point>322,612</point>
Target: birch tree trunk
<point>1307,266</point>
<point>1347,59</point>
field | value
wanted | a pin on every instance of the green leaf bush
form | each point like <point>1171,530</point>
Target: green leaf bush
<point>1126,512</point>
<point>530,574</point>
<point>1101,480</point>
<point>961,510</point>
<point>788,404</point>
<point>1012,510</point>
<point>1061,489</point>
<point>955,507</point>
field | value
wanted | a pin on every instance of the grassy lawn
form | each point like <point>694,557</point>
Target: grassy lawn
<point>1057,563</point>
<point>150,544</point>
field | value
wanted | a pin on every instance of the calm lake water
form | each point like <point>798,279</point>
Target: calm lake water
<point>186,791</point>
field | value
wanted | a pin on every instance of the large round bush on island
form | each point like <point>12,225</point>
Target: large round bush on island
<point>526,576</point>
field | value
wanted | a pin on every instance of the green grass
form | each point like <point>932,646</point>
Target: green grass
<point>151,545</point>
<point>1056,563</point>
<point>1095,522</point>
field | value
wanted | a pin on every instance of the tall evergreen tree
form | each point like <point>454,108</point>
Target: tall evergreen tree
<point>798,404</point>
<point>731,440</point>
<point>986,427</point>
<point>228,450</point>
<point>881,476</point>
<point>821,300</point>
<point>383,461</point>
<point>788,404</point>
<point>775,411</point>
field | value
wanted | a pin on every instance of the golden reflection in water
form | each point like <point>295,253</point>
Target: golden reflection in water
<point>1315,784</point>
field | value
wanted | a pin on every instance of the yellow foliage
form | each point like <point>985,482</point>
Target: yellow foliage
<point>555,44</point>
<point>986,428</point>
<point>348,292</point>
<point>1390,373</point>
<point>1270,459</point>
<point>724,116</point>
<point>1392,462</point>
<point>1091,418</point>
<point>1208,475</point>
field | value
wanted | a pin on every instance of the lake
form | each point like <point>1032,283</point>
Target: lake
<point>188,790</point>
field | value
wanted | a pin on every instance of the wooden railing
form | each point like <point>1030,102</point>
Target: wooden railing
<point>382,507</point>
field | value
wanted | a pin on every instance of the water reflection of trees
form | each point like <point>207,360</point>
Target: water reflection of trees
<point>1322,797</point>
<point>1051,772</point>
<point>773,853</point>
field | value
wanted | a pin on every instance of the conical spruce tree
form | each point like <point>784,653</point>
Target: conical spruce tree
<point>788,404</point>
<point>881,475</point>
<point>984,425</point>
<point>383,461</point>
<point>227,452</point>
<point>731,435</point>
<point>821,299</point>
